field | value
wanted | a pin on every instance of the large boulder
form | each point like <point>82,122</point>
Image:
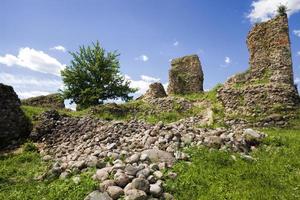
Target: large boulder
<point>267,87</point>
<point>53,101</point>
<point>185,75</point>
<point>14,125</point>
<point>156,90</point>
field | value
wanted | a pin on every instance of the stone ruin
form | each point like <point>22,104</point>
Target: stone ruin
<point>156,90</point>
<point>266,90</point>
<point>185,75</point>
<point>14,125</point>
<point>53,101</point>
<point>141,152</point>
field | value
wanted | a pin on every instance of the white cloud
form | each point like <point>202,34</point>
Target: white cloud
<point>143,58</point>
<point>298,53</point>
<point>227,60</point>
<point>27,86</point>
<point>297,32</point>
<point>176,43</point>
<point>59,48</point>
<point>149,78</point>
<point>34,60</point>
<point>25,95</point>
<point>297,80</point>
<point>142,84</point>
<point>263,10</point>
<point>16,80</point>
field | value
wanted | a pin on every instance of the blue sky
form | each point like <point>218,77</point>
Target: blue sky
<point>36,36</point>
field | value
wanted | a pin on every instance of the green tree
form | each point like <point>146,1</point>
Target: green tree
<point>93,77</point>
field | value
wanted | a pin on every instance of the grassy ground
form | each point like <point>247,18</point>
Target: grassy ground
<point>17,180</point>
<point>216,175</point>
<point>275,173</point>
<point>211,174</point>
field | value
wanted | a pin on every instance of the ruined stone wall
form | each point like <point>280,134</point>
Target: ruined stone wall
<point>267,87</point>
<point>185,75</point>
<point>13,123</point>
<point>50,101</point>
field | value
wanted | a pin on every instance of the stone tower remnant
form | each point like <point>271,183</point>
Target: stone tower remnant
<point>14,125</point>
<point>185,75</point>
<point>267,87</point>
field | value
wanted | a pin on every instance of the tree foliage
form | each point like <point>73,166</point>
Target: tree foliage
<point>282,9</point>
<point>93,77</point>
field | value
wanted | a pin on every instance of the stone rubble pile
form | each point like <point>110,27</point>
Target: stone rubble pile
<point>130,156</point>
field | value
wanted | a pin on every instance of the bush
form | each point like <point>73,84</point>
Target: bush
<point>282,10</point>
<point>30,147</point>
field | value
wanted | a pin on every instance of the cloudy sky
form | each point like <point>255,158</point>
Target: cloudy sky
<point>36,36</point>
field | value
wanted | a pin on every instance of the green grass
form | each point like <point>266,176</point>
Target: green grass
<point>32,112</point>
<point>17,173</point>
<point>215,175</point>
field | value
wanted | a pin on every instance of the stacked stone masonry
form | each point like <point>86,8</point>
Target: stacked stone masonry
<point>267,88</point>
<point>185,75</point>
<point>13,123</point>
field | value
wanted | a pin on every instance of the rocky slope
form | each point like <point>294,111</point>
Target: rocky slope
<point>130,156</point>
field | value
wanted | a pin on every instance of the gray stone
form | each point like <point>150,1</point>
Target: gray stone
<point>115,192</point>
<point>131,170</point>
<point>102,174</point>
<point>252,133</point>
<point>156,190</point>
<point>140,184</point>
<point>158,174</point>
<point>64,175</point>
<point>145,172</point>
<point>167,196</point>
<point>96,195</point>
<point>135,194</point>
<point>105,184</point>
<point>79,164</point>
<point>122,180</point>
<point>134,158</point>
<point>47,158</point>
<point>156,156</point>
